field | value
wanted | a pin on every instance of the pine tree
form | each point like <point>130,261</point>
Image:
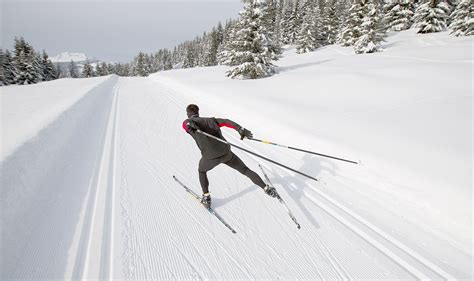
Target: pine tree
<point>278,27</point>
<point>431,16</point>
<point>306,39</point>
<point>23,60</point>
<point>330,22</point>
<point>73,70</point>
<point>399,14</point>
<point>48,67</point>
<point>7,71</point>
<point>140,65</point>
<point>39,70</point>
<point>102,69</point>
<point>287,24</point>
<point>372,30</point>
<point>295,23</point>
<point>87,70</point>
<point>463,19</point>
<point>250,50</point>
<point>352,29</point>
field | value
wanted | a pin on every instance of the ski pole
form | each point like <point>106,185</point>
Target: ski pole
<point>258,155</point>
<point>303,150</point>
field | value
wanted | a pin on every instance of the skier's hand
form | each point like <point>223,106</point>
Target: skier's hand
<point>191,127</point>
<point>244,133</point>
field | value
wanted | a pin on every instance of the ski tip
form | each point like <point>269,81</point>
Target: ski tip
<point>299,226</point>
<point>233,231</point>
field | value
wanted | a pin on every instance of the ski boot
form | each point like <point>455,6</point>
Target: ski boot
<point>206,200</point>
<point>271,191</point>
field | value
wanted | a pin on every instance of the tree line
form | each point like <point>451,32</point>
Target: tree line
<point>251,43</point>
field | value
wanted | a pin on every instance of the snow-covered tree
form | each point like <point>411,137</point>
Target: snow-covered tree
<point>463,19</point>
<point>250,49</point>
<point>88,70</point>
<point>295,22</point>
<point>140,65</point>
<point>48,67</point>
<point>431,16</point>
<point>102,69</point>
<point>38,68</point>
<point>287,24</point>
<point>399,14</point>
<point>352,27</point>
<point>7,69</point>
<point>73,72</point>
<point>24,57</point>
<point>306,39</point>
<point>372,30</point>
<point>330,22</point>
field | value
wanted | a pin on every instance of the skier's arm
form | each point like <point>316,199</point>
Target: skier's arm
<point>231,124</point>
<point>228,123</point>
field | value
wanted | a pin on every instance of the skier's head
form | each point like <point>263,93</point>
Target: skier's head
<point>192,110</point>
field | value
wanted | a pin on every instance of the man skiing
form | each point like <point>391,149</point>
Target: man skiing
<point>214,152</point>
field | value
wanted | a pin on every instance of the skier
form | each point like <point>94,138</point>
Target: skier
<point>214,152</point>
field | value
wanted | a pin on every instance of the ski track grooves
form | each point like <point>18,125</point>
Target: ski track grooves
<point>390,250</point>
<point>94,258</point>
<point>380,240</point>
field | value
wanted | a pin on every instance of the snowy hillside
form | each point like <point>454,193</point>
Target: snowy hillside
<point>67,57</point>
<point>87,165</point>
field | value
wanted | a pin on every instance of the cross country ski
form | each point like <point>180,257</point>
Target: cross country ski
<point>209,208</point>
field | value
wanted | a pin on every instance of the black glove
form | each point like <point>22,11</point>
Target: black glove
<point>191,126</point>
<point>244,133</point>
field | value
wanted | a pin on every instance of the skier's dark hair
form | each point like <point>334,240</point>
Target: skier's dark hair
<point>192,109</point>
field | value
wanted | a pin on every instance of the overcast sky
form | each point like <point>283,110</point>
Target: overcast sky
<point>110,30</point>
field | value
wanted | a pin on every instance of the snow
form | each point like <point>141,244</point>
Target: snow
<point>26,110</point>
<point>88,191</point>
<point>68,56</point>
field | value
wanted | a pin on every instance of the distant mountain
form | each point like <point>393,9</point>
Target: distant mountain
<point>67,57</point>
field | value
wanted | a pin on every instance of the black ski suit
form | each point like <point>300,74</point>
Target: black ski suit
<point>215,152</point>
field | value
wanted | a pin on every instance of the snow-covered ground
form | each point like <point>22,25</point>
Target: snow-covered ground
<point>87,190</point>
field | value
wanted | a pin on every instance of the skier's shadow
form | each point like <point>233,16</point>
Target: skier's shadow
<point>295,185</point>
<point>218,202</point>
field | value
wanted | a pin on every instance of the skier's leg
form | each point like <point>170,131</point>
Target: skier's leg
<point>236,163</point>
<point>205,165</point>
<point>204,182</point>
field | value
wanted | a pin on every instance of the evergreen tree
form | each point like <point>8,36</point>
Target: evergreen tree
<point>140,65</point>
<point>249,50</point>
<point>110,68</point>
<point>373,32</point>
<point>278,26</point>
<point>306,39</point>
<point>23,60</point>
<point>352,28</point>
<point>73,73</point>
<point>7,70</point>
<point>463,19</point>
<point>295,23</point>
<point>399,14</point>
<point>88,70</point>
<point>48,68</point>
<point>431,16</point>
<point>38,67</point>
<point>102,69</point>
<point>330,22</point>
<point>287,23</point>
